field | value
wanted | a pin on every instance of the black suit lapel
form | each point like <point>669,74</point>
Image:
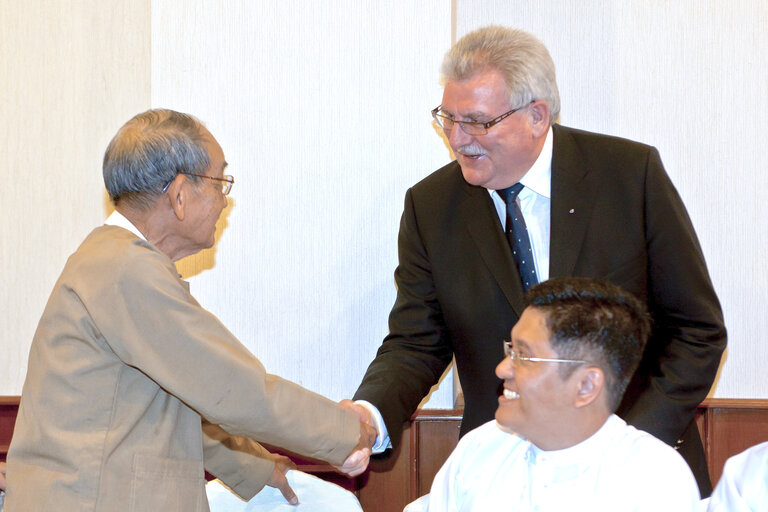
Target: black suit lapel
<point>572,201</point>
<point>485,229</point>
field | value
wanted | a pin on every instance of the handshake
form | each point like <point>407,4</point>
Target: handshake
<point>357,461</point>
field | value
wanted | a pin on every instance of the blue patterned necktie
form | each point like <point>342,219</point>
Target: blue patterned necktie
<point>517,235</point>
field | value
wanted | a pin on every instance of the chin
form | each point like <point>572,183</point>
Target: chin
<point>473,177</point>
<point>505,419</point>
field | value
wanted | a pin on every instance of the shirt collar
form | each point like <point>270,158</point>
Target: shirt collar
<point>539,176</point>
<point>576,459</point>
<point>118,219</point>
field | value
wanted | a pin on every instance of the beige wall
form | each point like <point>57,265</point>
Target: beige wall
<point>70,73</point>
<point>322,109</point>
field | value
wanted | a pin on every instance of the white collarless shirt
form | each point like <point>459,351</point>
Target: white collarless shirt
<point>617,469</point>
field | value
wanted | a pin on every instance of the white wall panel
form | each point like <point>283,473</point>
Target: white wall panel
<point>70,73</point>
<point>322,109</point>
<point>689,77</point>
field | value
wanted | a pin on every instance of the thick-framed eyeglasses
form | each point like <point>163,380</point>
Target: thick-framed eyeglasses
<point>226,182</point>
<point>446,121</point>
<point>517,358</point>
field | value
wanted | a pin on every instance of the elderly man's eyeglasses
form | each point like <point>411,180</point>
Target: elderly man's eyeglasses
<point>446,121</point>
<point>226,182</point>
<point>518,359</point>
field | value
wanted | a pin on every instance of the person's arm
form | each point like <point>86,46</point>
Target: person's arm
<point>689,335</point>
<point>415,353</point>
<point>156,326</point>
<point>661,480</point>
<point>243,464</point>
<point>2,476</point>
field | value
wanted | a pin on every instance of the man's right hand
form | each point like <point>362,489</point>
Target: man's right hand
<point>357,461</point>
<point>362,413</point>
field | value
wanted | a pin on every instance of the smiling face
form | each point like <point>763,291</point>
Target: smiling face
<point>502,156</point>
<point>537,401</point>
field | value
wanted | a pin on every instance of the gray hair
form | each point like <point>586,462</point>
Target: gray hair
<point>149,151</point>
<point>523,61</point>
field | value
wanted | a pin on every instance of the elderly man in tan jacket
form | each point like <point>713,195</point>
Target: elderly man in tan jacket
<point>132,387</point>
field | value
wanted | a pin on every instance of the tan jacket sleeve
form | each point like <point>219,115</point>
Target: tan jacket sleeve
<point>157,327</point>
<point>241,463</point>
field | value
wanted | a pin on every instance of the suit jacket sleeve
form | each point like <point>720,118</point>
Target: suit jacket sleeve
<point>417,350</point>
<point>241,463</point>
<point>681,360</point>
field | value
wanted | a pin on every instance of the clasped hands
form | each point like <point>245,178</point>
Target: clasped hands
<point>355,464</point>
<point>357,461</point>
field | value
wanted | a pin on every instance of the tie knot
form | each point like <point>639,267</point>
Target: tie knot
<point>510,193</point>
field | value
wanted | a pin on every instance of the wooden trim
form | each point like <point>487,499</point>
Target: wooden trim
<point>414,434</point>
<point>734,403</point>
<point>437,414</point>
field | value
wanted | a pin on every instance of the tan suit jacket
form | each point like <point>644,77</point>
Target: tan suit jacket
<point>123,366</point>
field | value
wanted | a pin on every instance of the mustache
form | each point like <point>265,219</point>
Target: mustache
<point>471,149</point>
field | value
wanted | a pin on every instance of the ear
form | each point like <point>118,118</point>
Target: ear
<point>176,195</point>
<point>591,382</point>
<point>538,114</point>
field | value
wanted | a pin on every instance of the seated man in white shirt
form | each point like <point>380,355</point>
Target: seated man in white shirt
<point>555,443</point>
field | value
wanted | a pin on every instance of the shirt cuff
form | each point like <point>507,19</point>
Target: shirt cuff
<point>383,442</point>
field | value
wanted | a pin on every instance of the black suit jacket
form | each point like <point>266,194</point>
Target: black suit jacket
<point>614,215</point>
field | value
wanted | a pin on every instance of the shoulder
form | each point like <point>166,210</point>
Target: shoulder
<point>587,139</point>
<point>752,461</point>
<point>437,196</point>
<point>650,459</point>
<point>444,181</point>
<point>111,255</point>
<point>743,480</point>
<point>603,153</point>
<point>643,444</point>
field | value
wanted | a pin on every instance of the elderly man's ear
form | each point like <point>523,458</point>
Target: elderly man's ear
<point>176,196</point>
<point>591,381</point>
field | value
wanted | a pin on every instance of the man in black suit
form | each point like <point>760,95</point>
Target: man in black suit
<point>592,205</point>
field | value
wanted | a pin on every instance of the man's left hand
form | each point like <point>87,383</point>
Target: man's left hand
<point>278,479</point>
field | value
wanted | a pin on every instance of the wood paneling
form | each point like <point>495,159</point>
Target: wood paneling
<point>9,406</point>
<point>434,435</point>
<point>728,426</point>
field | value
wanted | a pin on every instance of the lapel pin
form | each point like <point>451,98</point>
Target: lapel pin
<point>571,210</point>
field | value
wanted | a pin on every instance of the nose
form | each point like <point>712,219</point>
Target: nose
<point>458,137</point>
<point>505,369</point>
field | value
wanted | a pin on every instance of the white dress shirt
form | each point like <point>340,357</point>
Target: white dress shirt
<point>617,469</point>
